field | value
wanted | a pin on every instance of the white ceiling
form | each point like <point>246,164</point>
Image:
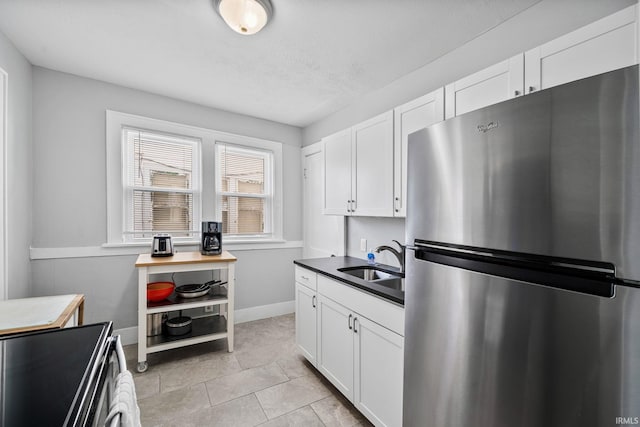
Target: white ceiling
<point>315,57</point>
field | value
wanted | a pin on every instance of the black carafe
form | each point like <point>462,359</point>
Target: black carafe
<point>211,241</point>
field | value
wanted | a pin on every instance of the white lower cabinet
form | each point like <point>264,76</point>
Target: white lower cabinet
<point>363,360</point>
<point>379,355</point>
<point>335,344</point>
<point>306,323</point>
<point>355,340</point>
<point>307,313</point>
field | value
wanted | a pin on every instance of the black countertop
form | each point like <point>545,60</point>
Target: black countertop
<point>329,267</point>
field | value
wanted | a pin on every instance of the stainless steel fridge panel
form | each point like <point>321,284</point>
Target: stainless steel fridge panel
<point>486,351</point>
<point>554,173</point>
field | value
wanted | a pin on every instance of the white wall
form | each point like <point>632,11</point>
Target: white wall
<point>18,169</point>
<point>541,23</point>
<point>70,194</point>
<point>377,231</point>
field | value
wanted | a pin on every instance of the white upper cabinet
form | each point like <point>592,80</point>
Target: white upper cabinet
<point>359,169</point>
<point>373,166</point>
<point>494,84</point>
<point>408,118</point>
<point>605,45</point>
<point>337,176</point>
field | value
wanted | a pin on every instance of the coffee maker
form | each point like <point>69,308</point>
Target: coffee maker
<point>211,242</point>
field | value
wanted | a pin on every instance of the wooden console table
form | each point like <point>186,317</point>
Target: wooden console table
<point>38,313</point>
<point>204,329</point>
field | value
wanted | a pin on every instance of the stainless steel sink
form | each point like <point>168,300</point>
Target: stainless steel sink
<point>370,274</point>
<point>396,283</point>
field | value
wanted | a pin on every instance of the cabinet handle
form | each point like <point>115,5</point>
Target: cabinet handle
<point>305,277</point>
<point>531,89</point>
<point>516,93</point>
<point>354,206</point>
<point>350,317</point>
<point>348,205</point>
<point>355,319</point>
<point>313,301</point>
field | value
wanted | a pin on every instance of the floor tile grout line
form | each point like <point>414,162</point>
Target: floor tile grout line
<point>316,412</point>
<point>262,409</point>
<point>247,394</point>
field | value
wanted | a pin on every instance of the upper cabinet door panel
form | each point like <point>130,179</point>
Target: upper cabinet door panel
<point>408,118</point>
<point>337,176</point>
<point>373,179</point>
<point>494,84</point>
<point>605,45</point>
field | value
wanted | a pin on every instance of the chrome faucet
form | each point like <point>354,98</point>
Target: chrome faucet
<point>401,254</point>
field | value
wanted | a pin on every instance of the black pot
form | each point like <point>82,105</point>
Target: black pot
<point>178,325</point>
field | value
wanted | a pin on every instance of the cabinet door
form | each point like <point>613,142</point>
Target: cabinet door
<point>335,344</point>
<point>372,183</point>
<point>337,176</point>
<point>306,337</point>
<point>323,235</point>
<point>379,360</point>
<point>410,117</point>
<point>502,81</point>
<point>605,45</point>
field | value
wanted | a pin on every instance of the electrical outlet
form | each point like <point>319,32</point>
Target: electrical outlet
<point>363,245</point>
<point>208,309</point>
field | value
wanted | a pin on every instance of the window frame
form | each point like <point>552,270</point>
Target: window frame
<point>208,208</point>
<point>128,234</point>
<point>274,214</point>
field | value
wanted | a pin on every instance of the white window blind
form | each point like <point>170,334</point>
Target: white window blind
<point>244,178</point>
<point>162,194</point>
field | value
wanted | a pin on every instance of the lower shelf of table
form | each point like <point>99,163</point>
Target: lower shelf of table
<point>203,329</point>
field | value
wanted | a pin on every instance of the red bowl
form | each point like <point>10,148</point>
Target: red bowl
<point>157,291</point>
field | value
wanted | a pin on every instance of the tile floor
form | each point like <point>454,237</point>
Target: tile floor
<point>265,382</point>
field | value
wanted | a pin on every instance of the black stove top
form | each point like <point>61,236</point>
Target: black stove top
<point>43,374</point>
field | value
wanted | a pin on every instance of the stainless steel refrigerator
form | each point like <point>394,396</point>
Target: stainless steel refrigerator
<point>522,288</point>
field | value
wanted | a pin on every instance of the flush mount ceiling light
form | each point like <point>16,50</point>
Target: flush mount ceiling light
<point>245,16</point>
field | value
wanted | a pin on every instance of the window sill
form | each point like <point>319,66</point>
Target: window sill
<point>227,244</point>
<point>122,249</point>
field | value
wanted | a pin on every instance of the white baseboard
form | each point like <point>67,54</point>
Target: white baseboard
<point>264,311</point>
<point>130,335</point>
<point>127,335</point>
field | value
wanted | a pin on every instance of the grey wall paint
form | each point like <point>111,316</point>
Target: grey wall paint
<point>537,25</point>
<point>70,193</point>
<point>69,152</point>
<point>110,283</point>
<point>18,168</point>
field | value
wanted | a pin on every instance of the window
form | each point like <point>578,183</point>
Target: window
<point>244,190</point>
<point>161,195</point>
<point>168,177</point>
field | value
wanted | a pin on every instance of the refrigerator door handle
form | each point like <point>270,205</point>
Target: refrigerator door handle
<point>588,277</point>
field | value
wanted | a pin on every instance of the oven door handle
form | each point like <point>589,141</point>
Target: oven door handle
<point>122,361</point>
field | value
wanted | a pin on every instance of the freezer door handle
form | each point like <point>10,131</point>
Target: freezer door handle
<point>588,277</point>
